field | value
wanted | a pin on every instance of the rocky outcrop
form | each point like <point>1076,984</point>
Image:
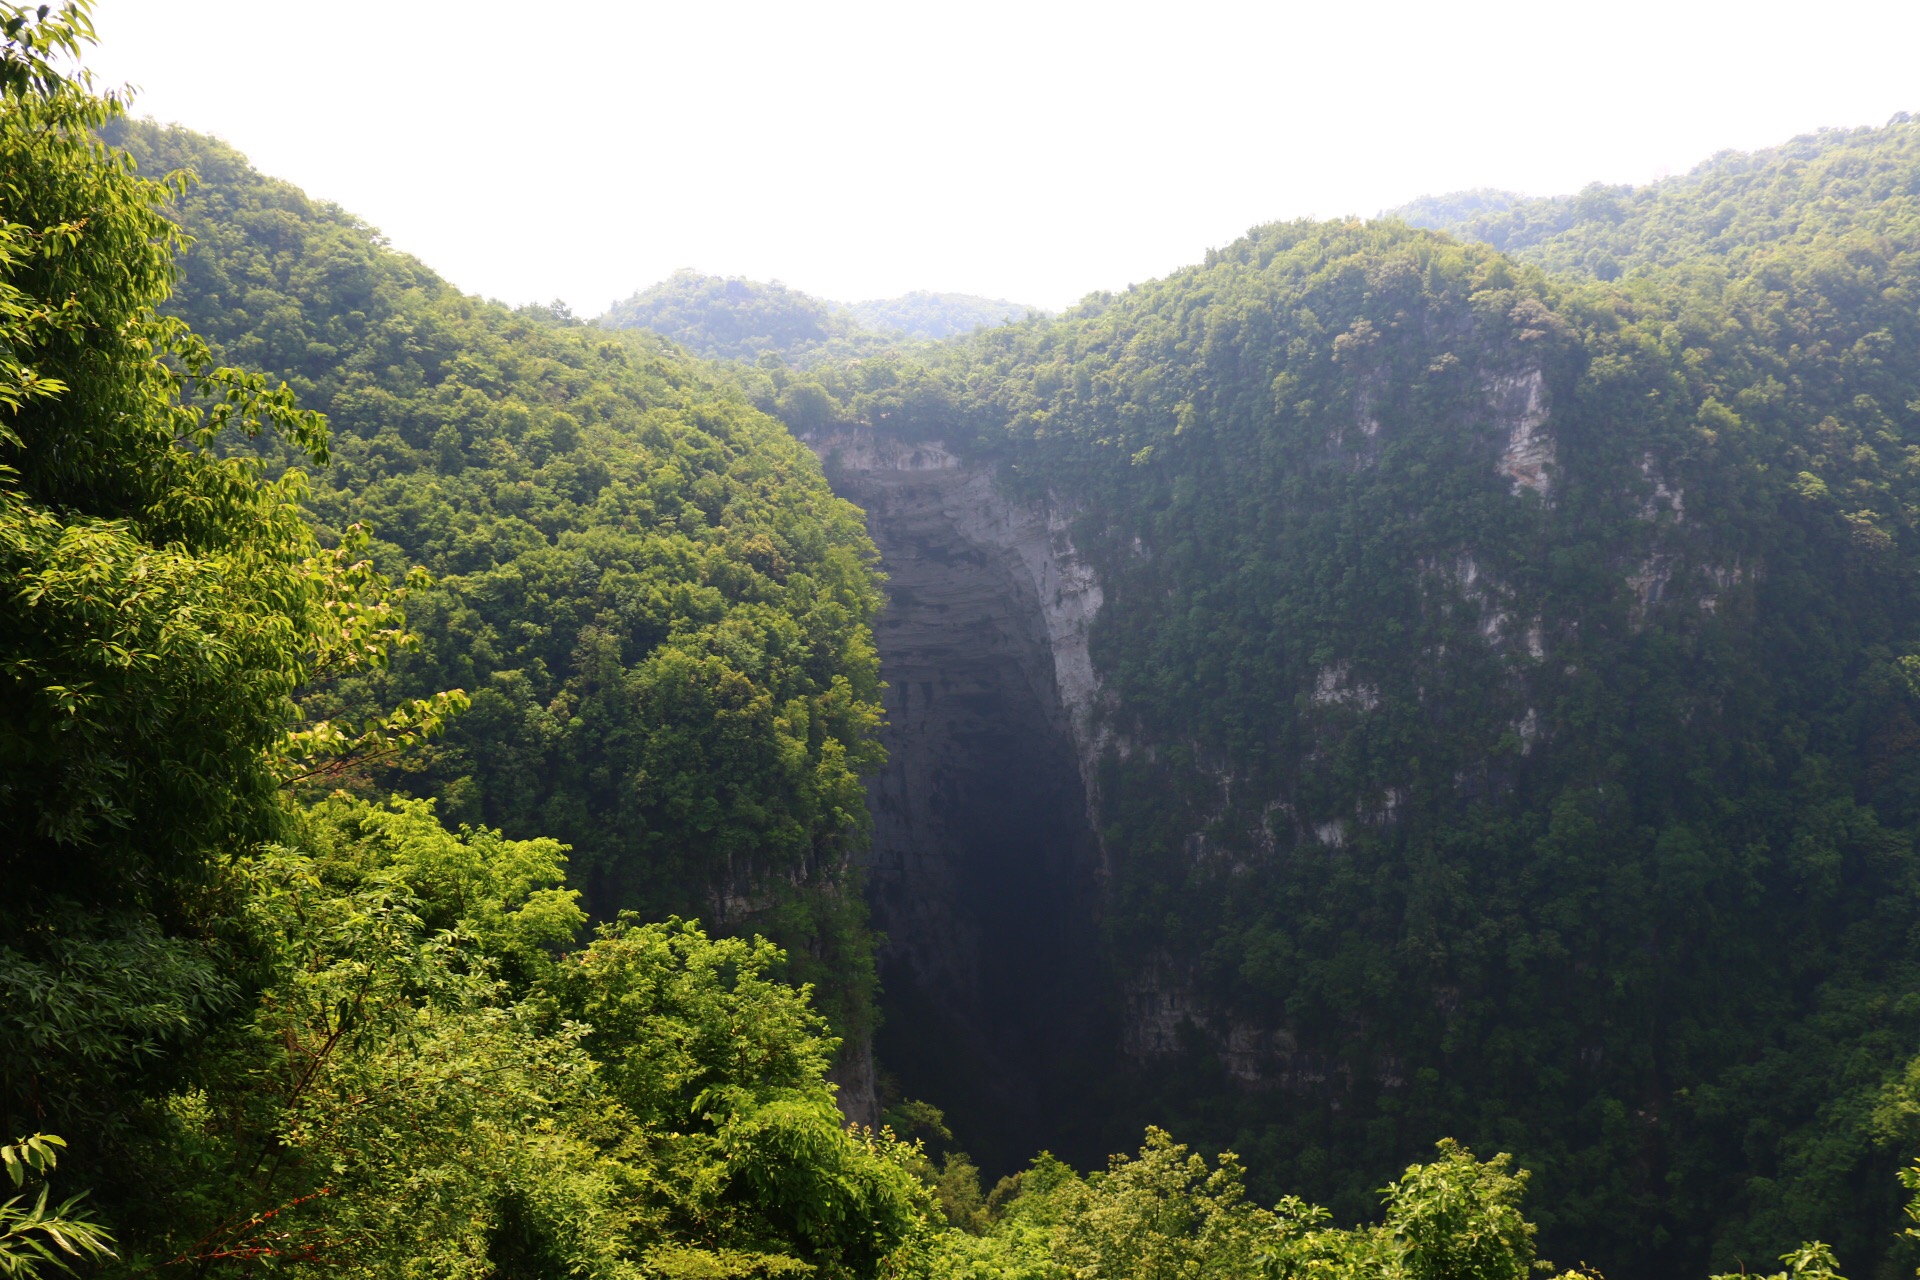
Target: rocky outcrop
<point>855,1084</point>
<point>1519,404</point>
<point>1032,544</point>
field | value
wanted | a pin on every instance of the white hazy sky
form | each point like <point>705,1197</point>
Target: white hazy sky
<point>1034,151</point>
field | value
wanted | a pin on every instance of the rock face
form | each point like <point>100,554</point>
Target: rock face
<point>1520,410</point>
<point>983,869</point>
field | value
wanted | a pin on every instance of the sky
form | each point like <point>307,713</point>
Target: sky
<point>1032,151</point>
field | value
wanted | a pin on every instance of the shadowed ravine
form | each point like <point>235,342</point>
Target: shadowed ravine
<point>981,875</point>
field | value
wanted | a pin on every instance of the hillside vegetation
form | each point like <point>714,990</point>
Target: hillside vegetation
<point>1511,682</point>
<point>657,607</point>
<point>1512,676</point>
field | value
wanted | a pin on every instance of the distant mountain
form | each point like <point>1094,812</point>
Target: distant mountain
<point>923,314</point>
<point>1442,213</point>
<point>732,318</point>
<point>726,317</point>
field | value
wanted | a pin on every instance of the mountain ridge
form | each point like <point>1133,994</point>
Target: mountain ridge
<point>1825,184</point>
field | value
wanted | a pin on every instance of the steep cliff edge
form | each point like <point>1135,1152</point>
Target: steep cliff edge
<point>983,867</point>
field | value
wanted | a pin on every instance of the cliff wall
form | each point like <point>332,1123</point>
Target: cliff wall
<point>983,869</point>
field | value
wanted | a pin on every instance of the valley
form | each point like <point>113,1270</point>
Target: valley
<point>1407,726</point>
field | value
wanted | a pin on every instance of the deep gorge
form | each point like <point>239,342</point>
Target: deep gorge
<point>982,874</point>
<point>1504,732</point>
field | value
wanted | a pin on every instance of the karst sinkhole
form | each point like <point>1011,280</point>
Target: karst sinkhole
<point>981,873</point>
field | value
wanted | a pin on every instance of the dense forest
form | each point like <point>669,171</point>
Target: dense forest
<point>655,606</point>
<point>434,738</point>
<point>1510,686</point>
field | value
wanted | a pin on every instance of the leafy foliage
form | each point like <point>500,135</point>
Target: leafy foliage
<point>1166,1214</point>
<point>428,1081</point>
<point>33,1237</point>
<point>162,606</point>
<point>1809,1261</point>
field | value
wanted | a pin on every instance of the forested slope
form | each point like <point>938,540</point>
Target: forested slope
<point>1510,681</point>
<point>657,607</point>
<point>1820,188</point>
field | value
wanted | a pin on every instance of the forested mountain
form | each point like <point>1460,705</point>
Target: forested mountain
<point>658,609</point>
<point>1507,691</point>
<point>726,317</point>
<point>731,318</point>
<point>1827,188</point>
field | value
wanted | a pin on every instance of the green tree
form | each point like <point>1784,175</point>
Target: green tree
<point>1808,1262</point>
<point>430,1079</point>
<point>1459,1219</point>
<point>723,1070</point>
<point>1167,1212</point>
<point>162,606</point>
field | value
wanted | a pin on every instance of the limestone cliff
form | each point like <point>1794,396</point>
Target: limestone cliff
<point>983,867</point>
